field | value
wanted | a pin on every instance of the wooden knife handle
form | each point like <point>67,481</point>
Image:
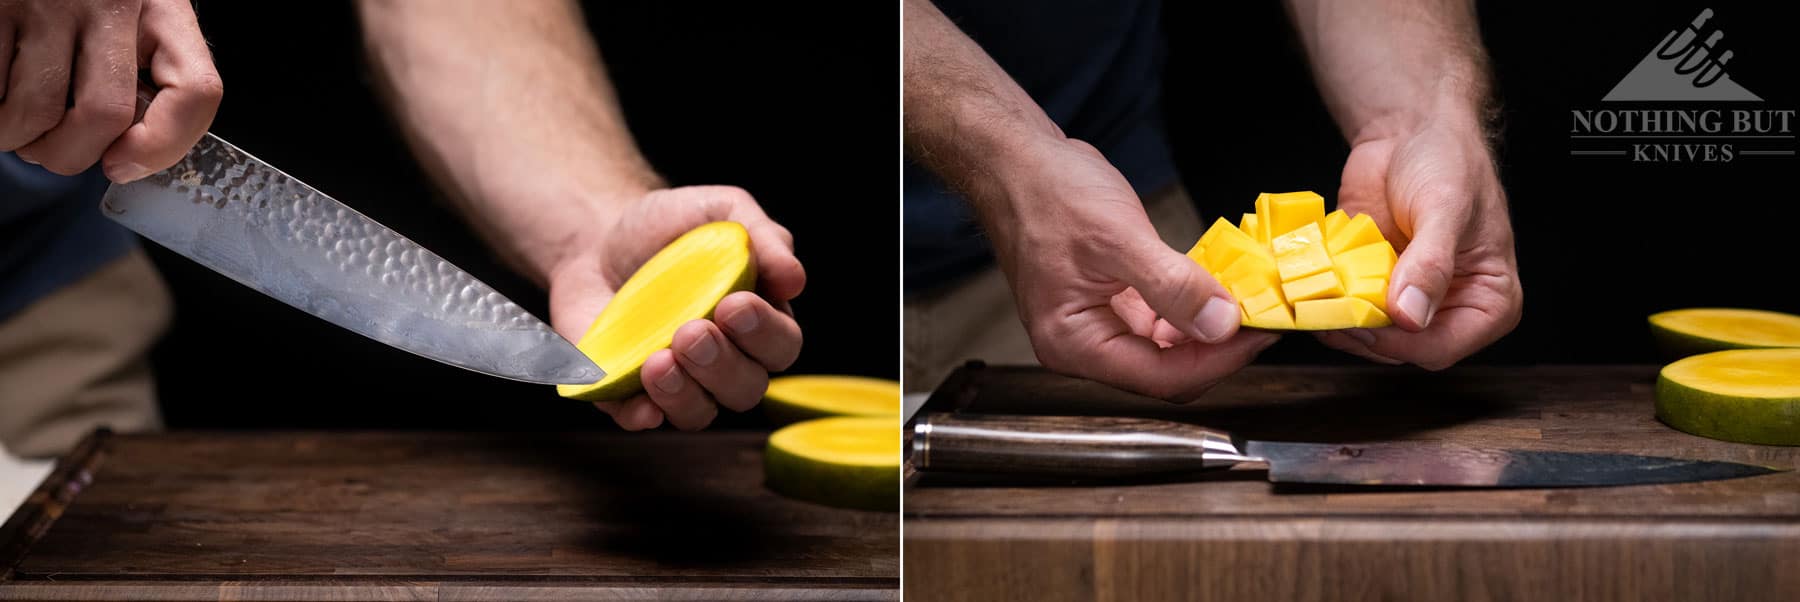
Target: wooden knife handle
<point>1067,446</point>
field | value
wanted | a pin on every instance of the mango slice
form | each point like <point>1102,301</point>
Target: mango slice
<point>1685,332</point>
<point>792,399</point>
<point>681,283</point>
<point>1292,266</point>
<point>1743,395</point>
<point>845,462</point>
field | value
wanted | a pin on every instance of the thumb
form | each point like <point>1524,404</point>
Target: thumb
<point>1423,273</point>
<point>1181,292</point>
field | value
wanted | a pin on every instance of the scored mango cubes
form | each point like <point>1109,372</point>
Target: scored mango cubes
<point>1292,266</point>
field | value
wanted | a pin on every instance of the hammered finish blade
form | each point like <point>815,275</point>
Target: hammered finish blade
<point>1428,464</point>
<point>247,220</point>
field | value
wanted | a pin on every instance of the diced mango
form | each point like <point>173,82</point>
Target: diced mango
<point>1359,231</point>
<point>1230,245</point>
<point>1373,290</point>
<point>1322,285</point>
<point>1337,313</point>
<point>1291,210</point>
<point>1292,266</point>
<point>1275,318</point>
<point>1212,232</point>
<point>1374,260</point>
<point>1333,221</point>
<point>1258,266</point>
<point>1300,253</point>
<point>1257,303</point>
<point>1263,217</point>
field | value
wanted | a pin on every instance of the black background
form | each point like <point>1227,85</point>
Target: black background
<point>1602,242</point>
<point>799,105</point>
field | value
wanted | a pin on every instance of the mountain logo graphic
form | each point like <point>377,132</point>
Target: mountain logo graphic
<point>1683,67</point>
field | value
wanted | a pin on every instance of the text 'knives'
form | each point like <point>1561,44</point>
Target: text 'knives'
<point>1099,448</point>
<point>271,232</point>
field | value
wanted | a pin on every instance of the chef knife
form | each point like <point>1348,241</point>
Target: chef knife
<point>245,219</point>
<point>1101,447</point>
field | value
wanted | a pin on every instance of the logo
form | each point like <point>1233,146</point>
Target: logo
<point>1683,67</point>
<point>1686,68</point>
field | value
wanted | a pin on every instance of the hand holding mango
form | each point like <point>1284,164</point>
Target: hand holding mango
<point>683,301</point>
<point>1433,191</point>
<point>1101,295</point>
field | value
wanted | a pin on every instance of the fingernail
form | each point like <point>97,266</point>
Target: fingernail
<point>126,172</point>
<point>1217,319</point>
<point>670,381</point>
<point>1362,335</point>
<point>1414,304</point>
<point>26,159</point>
<point>743,321</point>
<point>703,351</point>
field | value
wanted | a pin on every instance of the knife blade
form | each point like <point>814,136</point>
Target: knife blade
<point>1105,447</point>
<point>249,221</point>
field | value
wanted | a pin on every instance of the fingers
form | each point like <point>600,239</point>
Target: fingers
<point>768,336</point>
<point>1179,290</point>
<point>105,89</point>
<point>1423,273</point>
<point>635,414</point>
<point>187,97</point>
<point>8,43</point>
<point>37,88</point>
<point>685,402</point>
<point>732,378</point>
<point>674,211</point>
<point>1178,373</point>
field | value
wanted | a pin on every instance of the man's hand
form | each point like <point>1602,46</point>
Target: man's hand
<point>1101,295</point>
<point>724,361</point>
<point>1456,287</point>
<point>509,108</point>
<point>1407,81</point>
<point>90,52</point>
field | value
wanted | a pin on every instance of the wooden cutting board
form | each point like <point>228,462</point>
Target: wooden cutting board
<point>1235,536</point>
<point>435,516</point>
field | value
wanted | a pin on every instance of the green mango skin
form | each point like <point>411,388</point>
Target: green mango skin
<point>855,487</point>
<point>1739,419</point>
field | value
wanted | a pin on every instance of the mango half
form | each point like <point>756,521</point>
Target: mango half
<point>683,282</point>
<point>795,398</point>
<point>1685,332</point>
<point>1743,395</point>
<point>1292,266</point>
<point>844,462</point>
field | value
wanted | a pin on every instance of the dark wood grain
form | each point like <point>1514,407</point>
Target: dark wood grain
<point>1233,535</point>
<point>449,516</point>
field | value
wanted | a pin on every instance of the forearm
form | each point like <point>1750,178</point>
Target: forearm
<point>1387,66</point>
<point>509,109</point>
<point>966,119</point>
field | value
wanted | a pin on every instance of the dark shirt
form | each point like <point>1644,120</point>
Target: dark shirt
<point>1094,66</point>
<point>51,231</point>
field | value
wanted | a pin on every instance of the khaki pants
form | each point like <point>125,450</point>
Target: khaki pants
<point>976,318</point>
<point>76,359</point>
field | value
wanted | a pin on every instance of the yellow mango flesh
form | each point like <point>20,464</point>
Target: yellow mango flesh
<point>1300,253</point>
<point>1292,266</point>
<point>1323,285</point>
<point>1340,312</point>
<point>846,462</point>
<point>1292,210</point>
<point>791,399</point>
<point>1744,395</point>
<point>1359,231</point>
<point>1684,332</point>
<point>681,283</point>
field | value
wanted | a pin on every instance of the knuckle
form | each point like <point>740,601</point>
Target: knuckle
<point>208,86</point>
